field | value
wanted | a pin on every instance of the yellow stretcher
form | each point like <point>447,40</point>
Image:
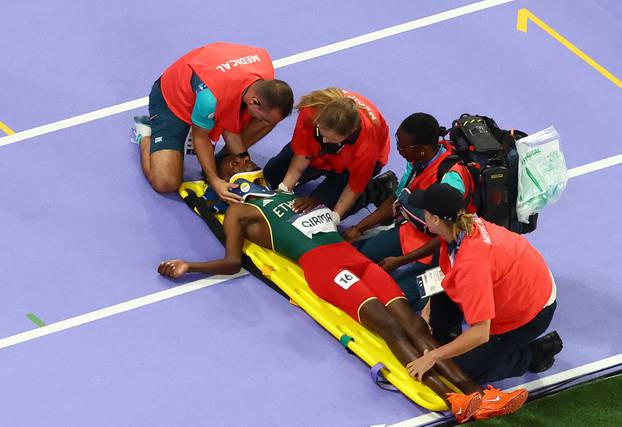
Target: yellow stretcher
<point>288,276</point>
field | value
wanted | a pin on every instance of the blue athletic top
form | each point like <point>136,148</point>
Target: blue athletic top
<point>204,111</point>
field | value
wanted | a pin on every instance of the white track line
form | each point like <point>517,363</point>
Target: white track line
<point>389,32</point>
<point>283,62</point>
<point>531,386</point>
<point>116,309</point>
<point>74,121</point>
<point>594,166</point>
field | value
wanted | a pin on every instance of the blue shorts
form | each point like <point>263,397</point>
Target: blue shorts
<point>168,132</point>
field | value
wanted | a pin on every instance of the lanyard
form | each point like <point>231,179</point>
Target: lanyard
<point>452,248</point>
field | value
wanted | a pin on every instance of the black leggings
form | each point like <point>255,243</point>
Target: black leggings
<point>503,356</point>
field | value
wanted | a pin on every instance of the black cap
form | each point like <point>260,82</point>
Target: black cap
<point>442,200</point>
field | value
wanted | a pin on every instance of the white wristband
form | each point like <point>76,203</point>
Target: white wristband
<point>283,187</point>
<point>336,217</point>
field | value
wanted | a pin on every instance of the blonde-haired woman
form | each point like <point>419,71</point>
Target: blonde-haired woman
<point>342,136</point>
<point>497,282</point>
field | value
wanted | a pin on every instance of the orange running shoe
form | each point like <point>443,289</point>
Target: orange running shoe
<point>464,406</point>
<point>496,402</point>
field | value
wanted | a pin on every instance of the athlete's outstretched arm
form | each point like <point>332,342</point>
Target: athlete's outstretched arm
<point>235,232</point>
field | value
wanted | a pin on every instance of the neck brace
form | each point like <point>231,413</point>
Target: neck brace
<point>251,184</point>
<point>252,176</point>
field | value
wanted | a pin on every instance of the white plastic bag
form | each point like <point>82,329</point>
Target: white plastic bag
<point>542,173</point>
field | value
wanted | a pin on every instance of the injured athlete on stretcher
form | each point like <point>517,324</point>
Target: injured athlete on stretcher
<point>344,277</point>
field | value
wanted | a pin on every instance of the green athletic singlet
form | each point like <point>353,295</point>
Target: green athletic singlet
<point>294,234</point>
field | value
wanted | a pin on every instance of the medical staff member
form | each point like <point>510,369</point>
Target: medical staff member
<point>342,136</point>
<point>218,89</point>
<point>498,283</point>
<point>419,143</point>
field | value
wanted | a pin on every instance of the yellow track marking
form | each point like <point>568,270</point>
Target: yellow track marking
<point>4,128</point>
<point>524,15</point>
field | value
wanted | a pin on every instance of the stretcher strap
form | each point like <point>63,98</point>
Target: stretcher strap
<point>345,340</point>
<point>378,378</point>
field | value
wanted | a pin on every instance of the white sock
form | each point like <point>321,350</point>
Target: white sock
<point>142,130</point>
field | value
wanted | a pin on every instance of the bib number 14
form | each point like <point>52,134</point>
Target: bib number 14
<point>345,279</point>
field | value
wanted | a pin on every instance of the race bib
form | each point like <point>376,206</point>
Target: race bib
<point>316,221</point>
<point>429,283</point>
<point>345,279</point>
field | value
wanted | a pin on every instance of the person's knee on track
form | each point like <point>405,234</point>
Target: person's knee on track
<point>164,184</point>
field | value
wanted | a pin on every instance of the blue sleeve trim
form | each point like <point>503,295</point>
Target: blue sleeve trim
<point>204,111</point>
<point>404,180</point>
<point>453,178</point>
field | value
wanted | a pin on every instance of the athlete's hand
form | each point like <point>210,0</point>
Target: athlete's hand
<point>418,367</point>
<point>352,234</point>
<point>390,263</point>
<point>221,187</point>
<point>304,204</point>
<point>174,268</point>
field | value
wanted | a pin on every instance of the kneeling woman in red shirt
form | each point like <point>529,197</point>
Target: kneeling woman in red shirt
<point>342,136</point>
<point>498,283</point>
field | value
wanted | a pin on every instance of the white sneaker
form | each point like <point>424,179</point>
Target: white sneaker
<point>142,128</point>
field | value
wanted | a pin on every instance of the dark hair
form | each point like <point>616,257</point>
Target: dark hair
<point>277,94</point>
<point>423,127</point>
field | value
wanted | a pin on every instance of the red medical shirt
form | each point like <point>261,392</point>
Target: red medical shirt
<point>359,159</point>
<point>498,276</point>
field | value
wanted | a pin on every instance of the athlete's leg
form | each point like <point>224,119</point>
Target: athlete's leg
<point>493,402</point>
<point>342,284</point>
<point>417,330</point>
<point>383,286</point>
<point>375,316</point>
